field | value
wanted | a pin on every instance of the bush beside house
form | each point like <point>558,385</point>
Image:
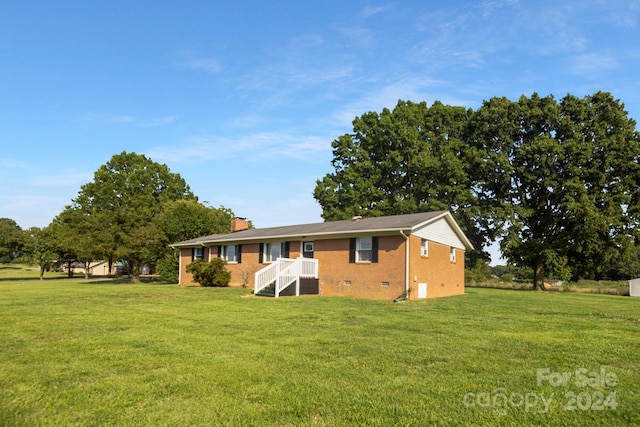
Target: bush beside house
<point>210,273</point>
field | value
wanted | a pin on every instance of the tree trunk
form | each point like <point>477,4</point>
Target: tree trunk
<point>42,272</point>
<point>86,269</point>
<point>69,270</point>
<point>135,271</point>
<point>538,276</point>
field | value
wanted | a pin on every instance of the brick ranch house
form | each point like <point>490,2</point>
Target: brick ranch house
<point>420,255</point>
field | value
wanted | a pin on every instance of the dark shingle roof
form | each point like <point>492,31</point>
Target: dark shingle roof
<point>329,228</point>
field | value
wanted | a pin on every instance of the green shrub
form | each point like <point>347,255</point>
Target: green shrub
<point>168,268</point>
<point>507,277</point>
<point>212,273</point>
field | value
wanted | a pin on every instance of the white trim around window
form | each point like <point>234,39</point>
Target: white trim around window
<point>230,253</point>
<point>424,247</point>
<point>364,249</point>
<point>273,251</point>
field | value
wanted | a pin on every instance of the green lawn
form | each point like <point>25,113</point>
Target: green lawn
<point>108,353</point>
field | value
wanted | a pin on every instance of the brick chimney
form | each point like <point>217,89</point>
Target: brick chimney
<point>239,224</point>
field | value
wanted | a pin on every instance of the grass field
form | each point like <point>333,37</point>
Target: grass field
<point>107,353</point>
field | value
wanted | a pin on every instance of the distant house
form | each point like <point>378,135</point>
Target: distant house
<point>634,287</point>
<point>415,256</point>
<point>96,268</point>
<point>101,268</point>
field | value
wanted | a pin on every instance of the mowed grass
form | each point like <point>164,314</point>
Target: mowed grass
<point>107,353</point>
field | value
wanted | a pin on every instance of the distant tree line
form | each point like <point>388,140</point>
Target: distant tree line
<point>132,210</point>
<point>556,182</point>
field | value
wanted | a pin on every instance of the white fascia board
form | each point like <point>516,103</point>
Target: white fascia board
<point>321,236</point>
<point>452,223</point>
<point>188,245</point>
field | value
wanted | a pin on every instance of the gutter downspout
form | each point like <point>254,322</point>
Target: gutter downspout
<point>179,265</point>
<point>406,265</point>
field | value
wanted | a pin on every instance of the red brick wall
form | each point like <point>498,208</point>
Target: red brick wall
<point>241,273</point>
<point>443,277</point>
<point>186,259</point>
<point>366,279</point>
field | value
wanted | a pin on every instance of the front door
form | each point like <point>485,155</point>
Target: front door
<point>307,249</point>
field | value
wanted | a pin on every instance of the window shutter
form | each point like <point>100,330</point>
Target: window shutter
<point>285,253</point>
<point>193,254</point>
<point>352,250</point>
<point>239,253</point>
<point>261,253</point>
<point>219,251</point>
<point>374,249</point>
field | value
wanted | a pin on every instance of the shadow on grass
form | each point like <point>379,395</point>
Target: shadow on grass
<point>96,280</point>
<point>123,280</point>
<point>34,279</point>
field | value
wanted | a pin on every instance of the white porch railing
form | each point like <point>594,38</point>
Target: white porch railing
<point>284,272</point>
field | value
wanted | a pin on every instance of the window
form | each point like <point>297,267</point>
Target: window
<point>424,247</point>
<point>363,249</point>
<point>198,253</point>
<point>272,251</point>
<point>452,255</point>
<point>229,253</point>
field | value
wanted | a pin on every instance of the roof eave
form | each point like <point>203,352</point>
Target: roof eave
<point>328,235</point>
<point>452,223</point>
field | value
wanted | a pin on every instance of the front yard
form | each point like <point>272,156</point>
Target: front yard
<point>87,353</point>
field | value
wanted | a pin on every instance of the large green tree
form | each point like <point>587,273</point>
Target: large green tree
<point>183,220</point>
<point>118,208</point>
<point>80,238</point>
<point>40,249</point>
<point>406,160</point>
<point>11,240</point>
<point>557,182</point>
<point>562,180</point>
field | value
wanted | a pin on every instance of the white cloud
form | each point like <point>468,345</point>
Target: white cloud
<point>357,36</point>
<point>257,146</point>
<point>9,164</point>
<point>273,207</point>
<point>209,65</point>
<point>107,118</point>
<point>306,41</point>
<point>64,179</point>
<point>32,210</point>
<point>371,11</point>
<point>160,121</point>
<point>410,88</point>
<point>590,64</point>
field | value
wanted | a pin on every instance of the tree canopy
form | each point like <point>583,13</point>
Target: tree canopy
<point>113,217</point>
<point>406,160</point>
<point>11,239</point>
<point>40,248</point>
<point>183,220</point>
<point>563,178</point>
<point>131,212</point>
<point>557,182</point>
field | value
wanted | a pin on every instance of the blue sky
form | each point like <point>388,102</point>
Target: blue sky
<point>244,98</point>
